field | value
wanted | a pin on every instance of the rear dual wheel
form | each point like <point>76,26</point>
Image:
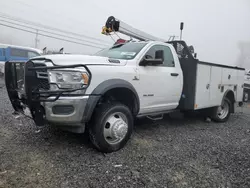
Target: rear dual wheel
<point>222,113</point>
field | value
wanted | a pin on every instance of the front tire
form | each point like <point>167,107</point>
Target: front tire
<point>111,127</point>
<point>223,112</point>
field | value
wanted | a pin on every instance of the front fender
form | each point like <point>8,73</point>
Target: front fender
<point>101,89</point>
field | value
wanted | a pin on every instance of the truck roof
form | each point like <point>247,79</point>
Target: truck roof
<point>21,47</point>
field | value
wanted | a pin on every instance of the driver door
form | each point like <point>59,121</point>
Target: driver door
<point>160,85</point>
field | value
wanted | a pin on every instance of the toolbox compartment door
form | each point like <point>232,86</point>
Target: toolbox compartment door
<point>202,94</point>
<point>215,86</point>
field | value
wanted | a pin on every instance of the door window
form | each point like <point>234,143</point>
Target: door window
<point>168,56</point>
<point>22,53</point>
<point>32,54</point>
<point>18,53</point>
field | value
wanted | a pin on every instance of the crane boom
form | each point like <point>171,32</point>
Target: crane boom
<point>115,25</point>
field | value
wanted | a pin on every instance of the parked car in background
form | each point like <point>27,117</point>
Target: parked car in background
<point>16,53</point>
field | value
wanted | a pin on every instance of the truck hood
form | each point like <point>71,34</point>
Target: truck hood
<point>65,59</point>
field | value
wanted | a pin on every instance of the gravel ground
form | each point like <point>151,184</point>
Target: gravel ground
<point>174,152</point>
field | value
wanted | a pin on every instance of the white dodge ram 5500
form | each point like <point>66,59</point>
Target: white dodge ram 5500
<point>106,92</point>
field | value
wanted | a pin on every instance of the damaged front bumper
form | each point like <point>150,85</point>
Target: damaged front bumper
<point>66,110</point>
<point>28,88</point>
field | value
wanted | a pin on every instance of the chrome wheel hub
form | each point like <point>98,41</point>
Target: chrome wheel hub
<point>119,129</point>
<point>115,128</point>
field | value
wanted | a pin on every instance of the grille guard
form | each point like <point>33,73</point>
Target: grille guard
<point>31,93</point>
<point>32,90</point>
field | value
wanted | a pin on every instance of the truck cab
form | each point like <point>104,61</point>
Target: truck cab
<point>150,77</point>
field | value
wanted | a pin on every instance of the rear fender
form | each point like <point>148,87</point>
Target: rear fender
<point>229,94</point>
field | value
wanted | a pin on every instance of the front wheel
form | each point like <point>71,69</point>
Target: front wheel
<point>222,113</point>
<point>111,127</point>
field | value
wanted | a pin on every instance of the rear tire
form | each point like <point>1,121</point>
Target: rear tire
<point>222,113</point>
<point>111,127</point>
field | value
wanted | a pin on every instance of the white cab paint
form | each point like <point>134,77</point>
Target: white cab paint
<point>157,81</point>
<point>157,89</point>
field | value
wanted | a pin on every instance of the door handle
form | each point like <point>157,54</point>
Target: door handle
<point>174,74</point>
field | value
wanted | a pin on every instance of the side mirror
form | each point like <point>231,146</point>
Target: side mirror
<point>191,49</point>
<point>159,58</point>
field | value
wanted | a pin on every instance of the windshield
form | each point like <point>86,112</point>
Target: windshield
<point>122,51</point>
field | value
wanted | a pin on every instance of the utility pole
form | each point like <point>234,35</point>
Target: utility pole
<point>36,39</point>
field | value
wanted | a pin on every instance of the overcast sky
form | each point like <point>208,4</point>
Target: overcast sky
<point>213,27</point>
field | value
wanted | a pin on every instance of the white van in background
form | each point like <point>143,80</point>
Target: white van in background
<point>16,53</point>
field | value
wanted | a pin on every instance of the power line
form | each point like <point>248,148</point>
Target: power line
<point>36,39</point>
<point>51,32</point>
<point>46,27</point>
<point>48,10</point>
<point>49,36</point>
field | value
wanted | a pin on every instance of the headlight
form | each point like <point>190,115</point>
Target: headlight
<point>68,79</point>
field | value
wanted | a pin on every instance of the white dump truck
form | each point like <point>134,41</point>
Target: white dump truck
<point>105,92</point>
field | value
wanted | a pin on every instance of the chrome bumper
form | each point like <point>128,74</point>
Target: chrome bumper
<point>73,117</point>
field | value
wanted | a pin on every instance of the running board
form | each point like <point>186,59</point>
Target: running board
<point>159,113</point>
<point>155,118</point>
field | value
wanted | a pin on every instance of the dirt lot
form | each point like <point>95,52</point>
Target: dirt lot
<point>174,152</point>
